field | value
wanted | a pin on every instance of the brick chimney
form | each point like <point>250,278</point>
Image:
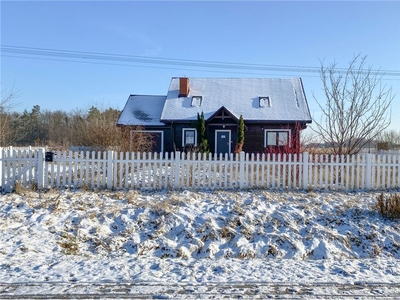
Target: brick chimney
<point>184,87</point>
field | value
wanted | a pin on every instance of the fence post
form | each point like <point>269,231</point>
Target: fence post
<point>110,168</point>
<point>40,169</point>
<point>241,170</point>
<point>368,171</point>
<point>305,170</point>
<point>177,168</point>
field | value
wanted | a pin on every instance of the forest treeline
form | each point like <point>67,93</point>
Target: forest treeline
<point>59,129</point>
<point>97,128</point>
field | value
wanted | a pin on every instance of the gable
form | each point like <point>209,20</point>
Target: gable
<point>240,96</point>
<point>222,115</point>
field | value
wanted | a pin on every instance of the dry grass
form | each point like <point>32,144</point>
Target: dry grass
<point>20,189</point>
<point>389,205</point>
<point>167,206</point>
<point>69,245</point>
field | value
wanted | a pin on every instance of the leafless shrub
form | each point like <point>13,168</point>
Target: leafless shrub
<point>98,129</point>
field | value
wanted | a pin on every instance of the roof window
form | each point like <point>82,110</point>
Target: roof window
<point>196,101</point>
<point>265,101</point>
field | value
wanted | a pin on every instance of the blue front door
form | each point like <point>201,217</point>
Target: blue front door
<point>222,141</point>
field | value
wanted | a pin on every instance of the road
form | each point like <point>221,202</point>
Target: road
<point>231,290</point>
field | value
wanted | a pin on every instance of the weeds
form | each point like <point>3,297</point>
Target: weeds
<point>86,187</point>
<point>227,233</point>
<point>20,189</point>
<point>247,254</point>
<point>34,186</point>
<point>69,245</point>
<point>272,250</point>
<point>167,206</point>
<point>389,205</point>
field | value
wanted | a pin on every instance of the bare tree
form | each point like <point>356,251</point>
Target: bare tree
<point>391,138</point>
<point>98,129</point>
<point>357,107</point>
<point>7,102</point>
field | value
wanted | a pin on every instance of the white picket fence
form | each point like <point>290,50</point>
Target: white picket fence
<point>149,171</point>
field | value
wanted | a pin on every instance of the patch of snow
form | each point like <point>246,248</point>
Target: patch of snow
<point>196,237</point>
<point>240,96</point>
<point>142,110</point>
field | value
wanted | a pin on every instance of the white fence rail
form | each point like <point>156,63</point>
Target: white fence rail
<point>179,170</point>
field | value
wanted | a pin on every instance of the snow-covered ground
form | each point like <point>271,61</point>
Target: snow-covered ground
<point>177,239</point>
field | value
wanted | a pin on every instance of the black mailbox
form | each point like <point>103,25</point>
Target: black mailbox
<point>49,156</point>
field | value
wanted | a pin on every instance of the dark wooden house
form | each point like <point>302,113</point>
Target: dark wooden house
<point>274,113</point>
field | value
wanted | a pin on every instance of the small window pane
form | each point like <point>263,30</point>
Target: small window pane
<point>283,138</point>
<point>189,137</point>
<point>271,139</point>
<point>196,101</point>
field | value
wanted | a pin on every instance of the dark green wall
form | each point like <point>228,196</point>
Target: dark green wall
<point>253,136</point>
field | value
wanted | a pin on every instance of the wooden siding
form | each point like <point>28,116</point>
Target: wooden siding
<point>178,134</point>
<point>254,136</point>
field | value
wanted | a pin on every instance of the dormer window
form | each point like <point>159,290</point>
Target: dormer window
<point>196,101</point>
<point>265,101</point>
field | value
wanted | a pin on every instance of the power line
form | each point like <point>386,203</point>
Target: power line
<point>154,67</point>
<point>168,68</point>
<point>92,57</point>
<point>148,60</point>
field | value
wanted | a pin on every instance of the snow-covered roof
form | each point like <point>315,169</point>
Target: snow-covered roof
<point>142,110</point>
<point>241,96</point>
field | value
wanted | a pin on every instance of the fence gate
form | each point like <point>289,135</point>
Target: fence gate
<point>19,167</point>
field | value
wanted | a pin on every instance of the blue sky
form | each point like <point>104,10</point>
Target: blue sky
<point>268,33</point>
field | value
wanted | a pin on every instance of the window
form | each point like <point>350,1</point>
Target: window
<point>189,137</point>
<point>276,137</point>
<point>265,101</point>
<point>196,101</point>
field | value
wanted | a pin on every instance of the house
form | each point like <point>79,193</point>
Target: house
<point>274,112</point>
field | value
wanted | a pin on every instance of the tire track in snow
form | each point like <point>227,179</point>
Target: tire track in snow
<point>240,290</point>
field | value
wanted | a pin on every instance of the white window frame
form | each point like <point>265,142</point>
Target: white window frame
<point>216,139</point>
<point>184,137</point>
<point>149,131</point>
<point>277,131</point>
